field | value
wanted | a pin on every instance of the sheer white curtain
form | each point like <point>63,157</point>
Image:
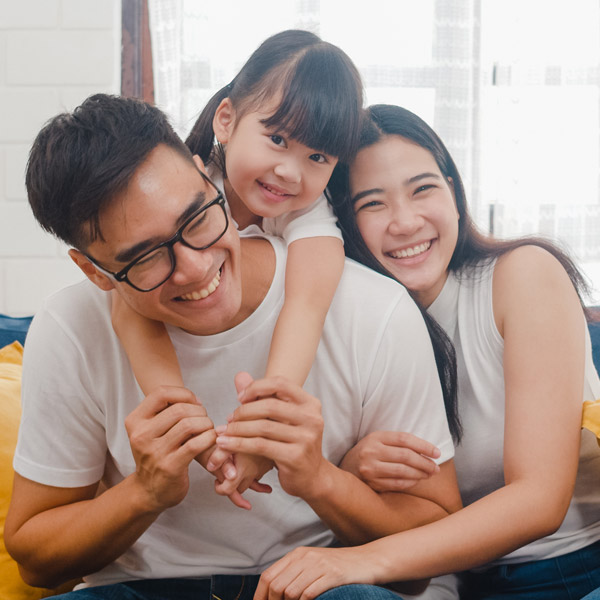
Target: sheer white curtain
<point>512,87</point>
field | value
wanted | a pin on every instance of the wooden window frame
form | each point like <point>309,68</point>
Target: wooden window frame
<point>137,79</point>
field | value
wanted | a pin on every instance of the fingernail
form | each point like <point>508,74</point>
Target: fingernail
<point>223,440</point>
<point>229,470</point>
<point>241,394</point>
<point>230,418</point>
<point>221,429</point>
<point>210,466</point>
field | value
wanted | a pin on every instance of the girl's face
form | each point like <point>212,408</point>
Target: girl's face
<point>406,213</point>
<point>270,173</point>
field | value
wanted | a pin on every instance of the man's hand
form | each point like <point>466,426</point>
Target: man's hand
<point>279,421</point>
<point>166,432</point>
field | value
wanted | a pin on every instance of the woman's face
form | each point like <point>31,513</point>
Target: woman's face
<point>406,213</point>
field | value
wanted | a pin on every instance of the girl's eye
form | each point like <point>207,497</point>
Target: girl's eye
<point>277,140</point>
<point>318,158</point>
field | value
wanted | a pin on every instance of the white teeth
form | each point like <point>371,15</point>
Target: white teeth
<point>414,251</point>
<point>205,292</point>
<point>272,190</point>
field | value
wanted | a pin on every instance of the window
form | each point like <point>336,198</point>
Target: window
<point>513,89</point>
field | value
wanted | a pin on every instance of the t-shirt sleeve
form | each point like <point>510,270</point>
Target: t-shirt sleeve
<point>403,391</point>
<point>317,220</point>
<point>61,439</point>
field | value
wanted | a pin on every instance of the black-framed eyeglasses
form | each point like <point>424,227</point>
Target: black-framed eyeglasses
<point>202,229</point>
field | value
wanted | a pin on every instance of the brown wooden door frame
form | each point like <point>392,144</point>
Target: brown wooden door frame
<point>137,78</point>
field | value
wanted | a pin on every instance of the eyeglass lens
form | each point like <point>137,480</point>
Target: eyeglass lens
<point>154,268</point>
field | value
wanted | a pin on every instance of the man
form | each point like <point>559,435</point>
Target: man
<point>107,487</point>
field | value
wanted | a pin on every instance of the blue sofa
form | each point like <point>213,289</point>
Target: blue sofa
<point>15,328</point>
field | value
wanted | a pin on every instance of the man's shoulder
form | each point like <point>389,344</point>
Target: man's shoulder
<point>362,282</point>
<point>369,301</point>
<point>73,311</point>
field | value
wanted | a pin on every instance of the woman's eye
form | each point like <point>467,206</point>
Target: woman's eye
<point>424,187</point>
<point>318,158</point>
<point>367,205</point>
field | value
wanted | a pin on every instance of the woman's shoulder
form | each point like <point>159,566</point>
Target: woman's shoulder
<point>528,263</point>
<point>525,278</point>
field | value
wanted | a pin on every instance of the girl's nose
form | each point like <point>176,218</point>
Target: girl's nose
<point>288,170</point>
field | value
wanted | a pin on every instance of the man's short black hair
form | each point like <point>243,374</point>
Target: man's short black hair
<point>81,160</point>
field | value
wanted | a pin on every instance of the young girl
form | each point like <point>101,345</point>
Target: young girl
<point>528,475</point>
<point>281,125</point>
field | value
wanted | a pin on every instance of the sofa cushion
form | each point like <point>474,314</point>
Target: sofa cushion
<point>13,329</point>
<point>11,585</point>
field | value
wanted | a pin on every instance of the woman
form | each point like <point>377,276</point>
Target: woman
<point>528,476</point>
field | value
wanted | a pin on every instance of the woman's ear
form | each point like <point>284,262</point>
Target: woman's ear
<point>90,270</point>
<point>224,121</point>
<point>199,163</point>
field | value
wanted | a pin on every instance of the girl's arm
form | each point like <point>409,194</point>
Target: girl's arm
<point>154,363</point>
<point>539,316</point>
<point>313,269</point>
<point>147,345</point>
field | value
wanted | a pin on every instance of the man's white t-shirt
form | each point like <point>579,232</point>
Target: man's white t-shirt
<point>374,370</point>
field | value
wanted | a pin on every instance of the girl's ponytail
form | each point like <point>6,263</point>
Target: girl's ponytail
<point>201,138</point>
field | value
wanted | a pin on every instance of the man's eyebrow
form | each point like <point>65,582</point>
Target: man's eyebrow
<point>414,179</point>
<point>128,254</point>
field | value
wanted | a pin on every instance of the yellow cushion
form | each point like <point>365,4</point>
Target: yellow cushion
<point>591,417</point>
<point>12,586</point>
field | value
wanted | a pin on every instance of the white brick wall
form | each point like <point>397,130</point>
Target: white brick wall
<point>53,54</point>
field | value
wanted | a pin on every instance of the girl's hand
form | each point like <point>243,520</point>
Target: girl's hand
<point>249,469</point>
<point>391,461</point>
<point>305,573</point>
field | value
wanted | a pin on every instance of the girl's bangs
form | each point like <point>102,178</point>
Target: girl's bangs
<point>320,105</point>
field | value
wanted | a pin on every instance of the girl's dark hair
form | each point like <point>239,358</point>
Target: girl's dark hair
<point>317,86</point>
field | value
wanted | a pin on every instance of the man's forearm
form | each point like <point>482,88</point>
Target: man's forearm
<point>70,541</point>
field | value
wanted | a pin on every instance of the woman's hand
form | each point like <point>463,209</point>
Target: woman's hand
<point>391,461</point>
<point>305,573</point>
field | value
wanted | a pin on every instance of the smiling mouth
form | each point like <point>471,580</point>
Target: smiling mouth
<point>204,292</point>
<point>272,190</point>
<point>410,252</point>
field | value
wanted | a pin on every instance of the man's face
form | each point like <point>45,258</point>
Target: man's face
<point>203,295</point>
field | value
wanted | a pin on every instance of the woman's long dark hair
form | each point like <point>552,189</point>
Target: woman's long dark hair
<point>355,247</point>
<point>473,248</point>
<point>318,88</point>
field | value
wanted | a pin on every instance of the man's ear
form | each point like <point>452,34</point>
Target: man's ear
<point>90,270</point>
<point>224,121</point>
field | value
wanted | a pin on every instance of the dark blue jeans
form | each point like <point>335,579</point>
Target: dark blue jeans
<point>567,577</point>
<point>219,587</point>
